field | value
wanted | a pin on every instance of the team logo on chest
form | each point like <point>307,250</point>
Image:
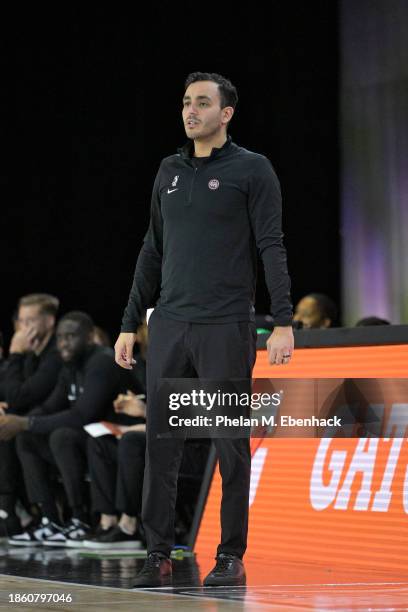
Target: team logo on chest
<point>214,184</point>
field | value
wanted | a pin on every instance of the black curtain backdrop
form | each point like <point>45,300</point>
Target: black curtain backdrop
<point>98,104</point>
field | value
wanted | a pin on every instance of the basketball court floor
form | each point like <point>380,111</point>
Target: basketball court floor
<point>59,579</point>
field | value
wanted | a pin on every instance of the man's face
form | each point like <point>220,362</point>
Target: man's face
<point>31,317</point>
<point>71,340</point>
<point>308,311</point>
<point>203,116</point>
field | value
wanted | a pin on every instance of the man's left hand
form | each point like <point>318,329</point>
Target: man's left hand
<point>11,425</point>
<point>280,345</point>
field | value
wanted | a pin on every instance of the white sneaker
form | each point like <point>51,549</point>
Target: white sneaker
<point>35,534</point>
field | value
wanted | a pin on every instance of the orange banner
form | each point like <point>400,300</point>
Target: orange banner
<point>332,502</point>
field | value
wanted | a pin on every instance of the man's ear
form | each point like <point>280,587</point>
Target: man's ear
<point>326,322</point>
<point>227,113</point>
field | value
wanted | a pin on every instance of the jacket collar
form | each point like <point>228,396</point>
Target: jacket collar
<point>188,149</point>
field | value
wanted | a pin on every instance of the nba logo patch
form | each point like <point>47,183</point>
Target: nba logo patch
<point>213,184</point>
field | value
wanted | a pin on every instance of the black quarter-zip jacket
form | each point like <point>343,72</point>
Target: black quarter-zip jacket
<point>198,262</point>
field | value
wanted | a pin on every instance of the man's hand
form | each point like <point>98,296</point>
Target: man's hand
<point>11,425</point>
<point>130,404</point>
<point>280,345</point>
<point>24,340</point>
<point>3,407</point>
<point>124,350</point>
<point>117,403</point>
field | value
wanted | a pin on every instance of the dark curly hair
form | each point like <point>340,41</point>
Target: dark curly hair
<point>228,92</point>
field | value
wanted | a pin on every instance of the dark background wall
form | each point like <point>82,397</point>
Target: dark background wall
<point>99,104</point>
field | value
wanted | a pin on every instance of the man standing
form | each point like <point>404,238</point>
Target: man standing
<point>213,205</point>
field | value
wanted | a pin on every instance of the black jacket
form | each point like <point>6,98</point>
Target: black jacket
<point>30,378</point>
<point>199,256</point>
<point>84,393</point>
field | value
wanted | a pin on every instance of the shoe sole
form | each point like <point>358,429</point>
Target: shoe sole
<point>112,545</point>
<point>166,581</point>
<point>27,543</point>
<point>74,544</point>
<point>214,583</point>
<point>50,543</point>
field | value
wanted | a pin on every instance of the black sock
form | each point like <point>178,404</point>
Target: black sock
<point>49,510</point>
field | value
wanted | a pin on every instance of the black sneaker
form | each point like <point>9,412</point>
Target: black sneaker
<point>70,535</point>
<point>96,532</point>
<point>113,538</point>
<point>156,572</point>
<point>35,534</point>
<point>228,571</point>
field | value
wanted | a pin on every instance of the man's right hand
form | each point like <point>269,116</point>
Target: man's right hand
<point>23,341</point>
<point>124,350</point>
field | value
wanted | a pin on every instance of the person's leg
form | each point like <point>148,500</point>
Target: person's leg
<point>35,458</point>
<point>167,357</point>
<point>102,461</point>
<point>68,447</point>
<point>130,458</point>
<point>223,352</point>
<point>10,473</point>
<point>129,485</point>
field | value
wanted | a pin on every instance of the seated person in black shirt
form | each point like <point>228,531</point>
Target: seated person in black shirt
<point>53,433</point>
<point>116,466</point>
<point>315,311</point>
<point>33,363</point>
<point>116,463</point>
<point>28,377</point>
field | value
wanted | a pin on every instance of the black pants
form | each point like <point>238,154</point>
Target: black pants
<point>116,468</point>
<point>10,476</point>
<point>66,449</point>
<point>190,350</point>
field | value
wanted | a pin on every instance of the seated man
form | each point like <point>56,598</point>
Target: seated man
<point>315,311</point>
<point>29,376</point>
<point>116,466</point>
<point>53,433</point>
